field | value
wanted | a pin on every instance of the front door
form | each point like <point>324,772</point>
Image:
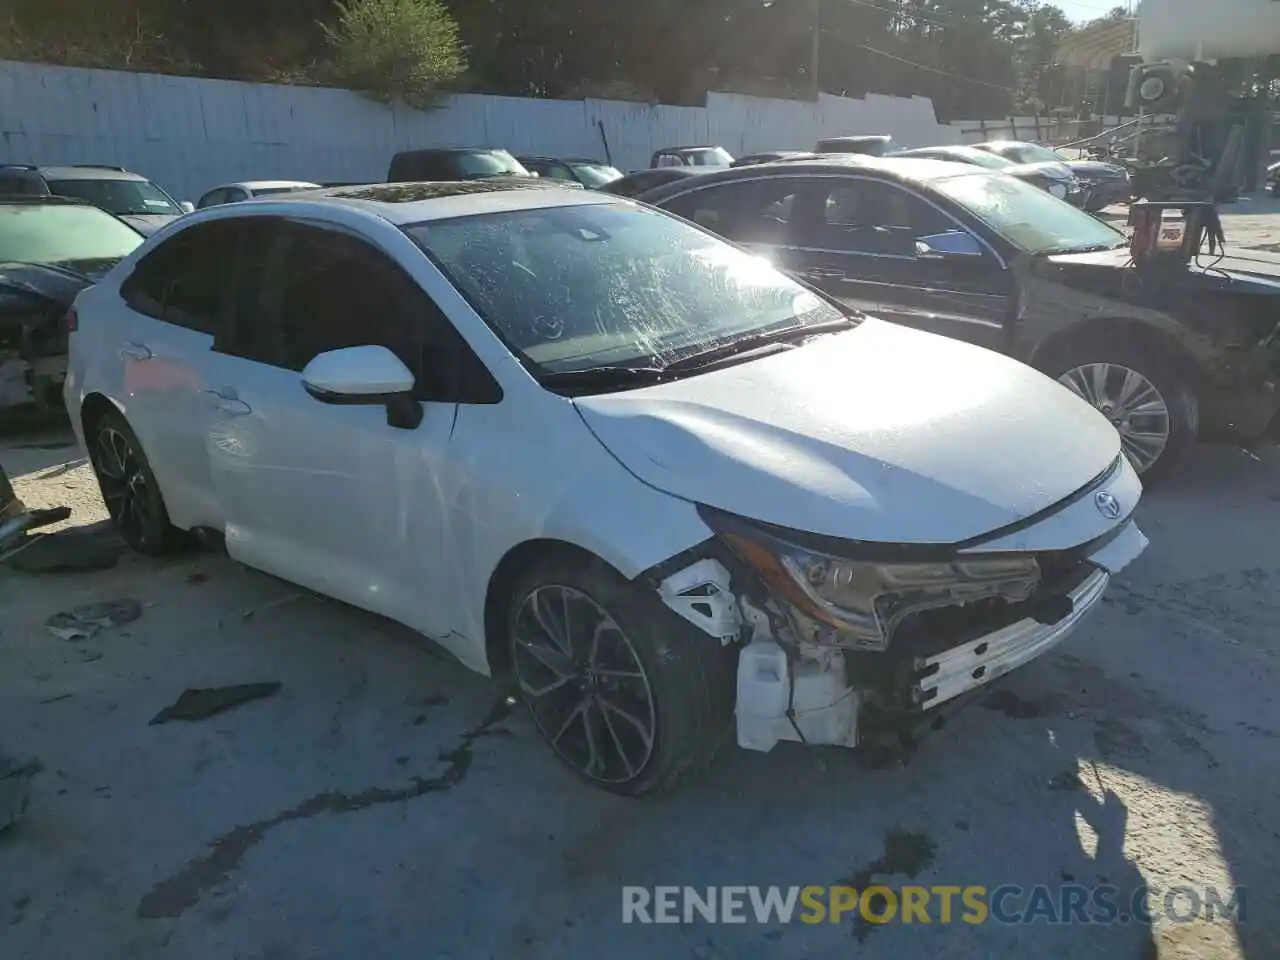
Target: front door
<point>329,496</point>
<point>860,240</point>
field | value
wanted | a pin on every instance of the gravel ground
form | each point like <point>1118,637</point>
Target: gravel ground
<point>386,804</point>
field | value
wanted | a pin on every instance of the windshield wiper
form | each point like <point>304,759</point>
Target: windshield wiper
<point>755,341</point>
<point>597,377</point>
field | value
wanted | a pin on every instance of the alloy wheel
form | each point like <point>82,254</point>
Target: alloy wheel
<point>1131,402</point>
<point>584,684</point>
<point>124,484</point>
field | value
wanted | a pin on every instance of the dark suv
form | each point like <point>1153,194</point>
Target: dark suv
<point>130,196</point>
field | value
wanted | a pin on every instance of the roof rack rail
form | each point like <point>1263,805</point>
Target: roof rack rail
<point>18,166</point>
<point>97,166</point>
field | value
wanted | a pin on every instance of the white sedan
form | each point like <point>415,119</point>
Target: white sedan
<point>659,487</point>
<point>250,190</point>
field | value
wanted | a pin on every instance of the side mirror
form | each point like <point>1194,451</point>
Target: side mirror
<point>945,246</point>
<point>186,206</point>
<point>364,376</point>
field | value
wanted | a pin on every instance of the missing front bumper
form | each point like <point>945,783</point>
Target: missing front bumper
<point>971,665</point>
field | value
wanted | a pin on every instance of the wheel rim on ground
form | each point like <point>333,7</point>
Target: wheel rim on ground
<point>1131,402</point>
<point>124,485</point>
<point>585,686</point>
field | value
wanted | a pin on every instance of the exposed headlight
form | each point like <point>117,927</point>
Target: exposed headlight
<point>865,601</point>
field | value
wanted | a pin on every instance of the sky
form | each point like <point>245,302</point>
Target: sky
<point>1086,9</point>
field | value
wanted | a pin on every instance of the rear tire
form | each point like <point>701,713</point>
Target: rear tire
<point>628,694</point>
<point>129,488</point>
<point>1161,400</point>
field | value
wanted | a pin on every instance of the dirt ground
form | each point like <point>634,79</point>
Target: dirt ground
<point>386,803</point>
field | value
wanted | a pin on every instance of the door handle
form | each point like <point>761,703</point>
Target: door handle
<point>823,273</point>
<point>135,351</point>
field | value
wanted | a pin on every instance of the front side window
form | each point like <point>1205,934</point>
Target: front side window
<point>1029,218</point>
<point>755,211</point>
<point>121,197</point>
<point>185,280</point>
<point>62,233</point>
<point>579,287</point>
<point>873,218</point>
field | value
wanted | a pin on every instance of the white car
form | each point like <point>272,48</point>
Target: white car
<point>251,190</point>
<point>593,450</point>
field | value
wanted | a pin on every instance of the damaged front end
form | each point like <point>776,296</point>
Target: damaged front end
<point>832,633</point>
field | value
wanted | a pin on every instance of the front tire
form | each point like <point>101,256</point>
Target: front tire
<point>1151,403</point>
<point>129,488</point>
<point>625,692</point>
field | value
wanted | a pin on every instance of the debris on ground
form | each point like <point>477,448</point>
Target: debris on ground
<point>81,623</point>
<point>69,551</point>
<point>15,781</point>
<point>200,703</point>
<point>272,604</point>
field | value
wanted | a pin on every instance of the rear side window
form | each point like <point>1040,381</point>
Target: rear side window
<point>23,186</point>
<point>755,211</point>
<point>186,280</point>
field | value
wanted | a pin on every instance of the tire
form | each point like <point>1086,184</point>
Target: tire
<point>129,488</point>
<point>681,683</point>
<point>1071,367</point>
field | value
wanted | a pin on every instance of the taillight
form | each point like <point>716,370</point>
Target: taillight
<point>71,321</point>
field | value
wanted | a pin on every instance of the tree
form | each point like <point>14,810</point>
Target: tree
<point>389,49</point>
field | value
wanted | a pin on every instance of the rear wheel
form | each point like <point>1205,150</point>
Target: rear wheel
<point>1149,401</point>
<point>625,692</point>
<point>129,488</point>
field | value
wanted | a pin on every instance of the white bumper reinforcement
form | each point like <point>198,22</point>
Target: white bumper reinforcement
<point>971,665</point>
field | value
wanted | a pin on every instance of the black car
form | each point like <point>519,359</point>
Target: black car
<point>130,196</point>
<point>1103,183</point>
<point>875,145</point>
<point>588,173</point>
<point>994,261</point>
<point>769,157</point>
<point>634,184</point>
<point>453,163</point>
<point>51,248</point>
<point>1052,178</point>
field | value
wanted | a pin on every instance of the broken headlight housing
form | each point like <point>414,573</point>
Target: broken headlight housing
<point>863,601</point>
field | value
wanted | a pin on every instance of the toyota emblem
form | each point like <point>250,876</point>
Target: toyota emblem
<point>1107,505</point>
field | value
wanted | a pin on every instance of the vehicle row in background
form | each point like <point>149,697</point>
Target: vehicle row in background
<point>144,204</point>
<point>986,258</point>
<point>591,174</point>
<point>1102,183</point>
<point>1052,177</point>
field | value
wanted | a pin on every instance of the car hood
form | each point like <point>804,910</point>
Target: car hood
<point>1096,169</point>
<point>881,434</point>
<point>1254,271</point>
<point>148,223</point>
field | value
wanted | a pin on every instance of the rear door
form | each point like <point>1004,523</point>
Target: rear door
<point>175,302</point>
<point>859,239</point>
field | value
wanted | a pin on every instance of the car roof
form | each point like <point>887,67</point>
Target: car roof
<point>88,172</point>
<point>402,203</point>
<point>918,169</point>
<point>264,184</point>
<point>696,146</point>
<point>539,156</point>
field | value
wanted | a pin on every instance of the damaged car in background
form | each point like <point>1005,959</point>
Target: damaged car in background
<point>663,490</point>
<point>51,248</point>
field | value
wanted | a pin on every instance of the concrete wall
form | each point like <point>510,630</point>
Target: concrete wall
<point>191,134</point>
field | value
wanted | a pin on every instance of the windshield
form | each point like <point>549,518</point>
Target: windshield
<point>121,197</point>
<point>489,163</point>
<point>700,157</point>
<point>1027,217</point>
<point>60,233</point>
<point>991,161</point>
<point>596,174</point>
<point>580,287</point>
